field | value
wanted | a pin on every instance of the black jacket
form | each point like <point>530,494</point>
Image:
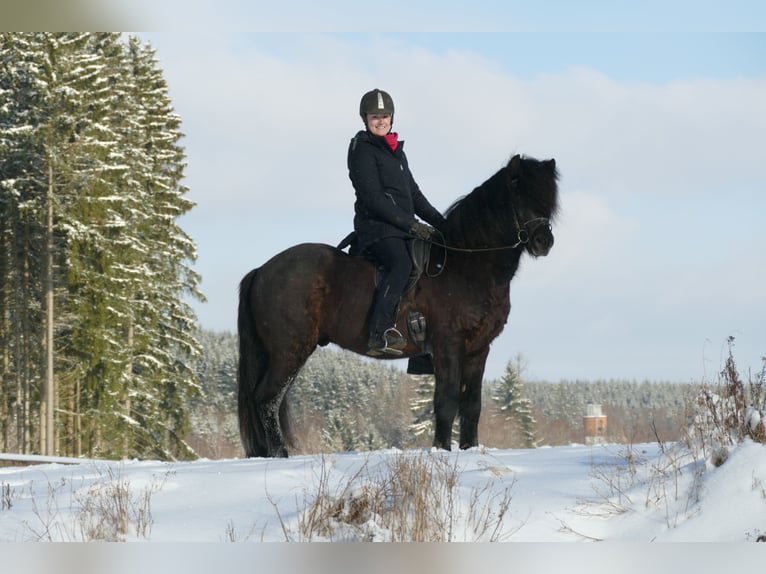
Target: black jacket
<point>387,197</point>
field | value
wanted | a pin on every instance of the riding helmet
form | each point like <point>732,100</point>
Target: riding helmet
<point>376,102</point>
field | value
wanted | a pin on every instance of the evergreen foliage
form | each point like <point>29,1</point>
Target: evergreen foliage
<point>357,400</point>
<point>635,410</point>
<point>422,406</point>
<point>342,401</point>
<point>516,407</point>
<point>90,248</point>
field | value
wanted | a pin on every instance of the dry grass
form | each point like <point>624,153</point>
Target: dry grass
<point>669,485</point>
<point>6,496</point>
<point>728,412</point>
<point>411,498</point>
<point>109,510</point>
<point>721,416</point>
<point>613,483</point>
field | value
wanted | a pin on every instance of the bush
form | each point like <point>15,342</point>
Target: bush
<point>727,413</point>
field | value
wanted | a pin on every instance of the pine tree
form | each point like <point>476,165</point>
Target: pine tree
<point>22,204</point>
<point>87,215</point>
<point>47,74</point>
<point>160,331</point>
<point>90,249</point>
<point>509,393</point>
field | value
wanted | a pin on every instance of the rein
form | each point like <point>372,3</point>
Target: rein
<point>522,235</point>
<point>522,238</point>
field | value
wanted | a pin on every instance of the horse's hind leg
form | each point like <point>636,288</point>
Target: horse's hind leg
<point>271,410</point>
<point>268,413</point>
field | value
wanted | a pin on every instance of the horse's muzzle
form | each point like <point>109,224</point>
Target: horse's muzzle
<point>541,241</point>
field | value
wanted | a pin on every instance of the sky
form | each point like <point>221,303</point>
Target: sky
<point>655,116</point>
<point>659,252</point>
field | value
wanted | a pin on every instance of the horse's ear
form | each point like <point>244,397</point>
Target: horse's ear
<point>551,166</point>
<point>515,164</point>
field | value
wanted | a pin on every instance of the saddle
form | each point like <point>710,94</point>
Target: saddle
<point>420,252</point>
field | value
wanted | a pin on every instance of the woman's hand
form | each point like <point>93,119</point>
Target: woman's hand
<point>422,230</point>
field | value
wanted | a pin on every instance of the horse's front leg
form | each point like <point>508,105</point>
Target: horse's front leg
<point>470,398</point>
<point>447,368</point>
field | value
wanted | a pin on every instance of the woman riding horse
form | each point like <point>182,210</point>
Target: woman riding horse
<point>387,201</point>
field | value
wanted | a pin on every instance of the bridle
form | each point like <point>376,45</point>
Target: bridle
<point>522,237</point>
<point>523,234</point>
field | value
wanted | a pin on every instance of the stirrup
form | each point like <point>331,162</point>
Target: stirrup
<point>399,341</point>
<point>392,348</point>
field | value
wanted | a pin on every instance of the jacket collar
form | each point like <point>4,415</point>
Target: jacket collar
<point>380,141</point>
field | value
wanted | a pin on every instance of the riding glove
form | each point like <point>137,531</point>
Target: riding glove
<point>422,230</point>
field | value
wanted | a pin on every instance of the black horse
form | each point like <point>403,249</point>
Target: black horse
<point>314,294</point>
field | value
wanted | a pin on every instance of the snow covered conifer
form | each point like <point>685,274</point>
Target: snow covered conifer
<point>94,264</point>
<point>517,408</point>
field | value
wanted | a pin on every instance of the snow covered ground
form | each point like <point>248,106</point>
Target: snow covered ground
<point>614,493</point>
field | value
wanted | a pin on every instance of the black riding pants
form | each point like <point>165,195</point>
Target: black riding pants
<point>393,256</point>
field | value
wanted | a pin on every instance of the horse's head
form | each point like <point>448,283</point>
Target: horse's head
<point>513,208</point>
<point>534,202</point>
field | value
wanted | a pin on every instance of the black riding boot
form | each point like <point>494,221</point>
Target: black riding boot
<point>390,342</point>
<point>385,338</point>
<point>395,265</point>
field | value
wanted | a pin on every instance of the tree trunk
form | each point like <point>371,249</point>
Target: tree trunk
<point>5,386</point>
<point>126,400</point>
<point>47,402</point>
<point>24,340</point>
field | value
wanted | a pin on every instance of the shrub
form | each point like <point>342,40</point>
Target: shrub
<point>727,413</point>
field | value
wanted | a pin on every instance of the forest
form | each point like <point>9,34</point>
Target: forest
<point>341,401</point>
<point>96,329</point>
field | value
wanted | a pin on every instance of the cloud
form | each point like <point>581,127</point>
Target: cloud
<point>288,117</point>
<point>660,187</point>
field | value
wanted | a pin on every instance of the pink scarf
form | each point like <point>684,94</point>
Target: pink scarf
<point>392,139</point>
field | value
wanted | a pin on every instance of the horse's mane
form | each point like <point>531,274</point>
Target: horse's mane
<point>525,187</point>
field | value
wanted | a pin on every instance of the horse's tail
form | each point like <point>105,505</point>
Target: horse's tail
<point>252,370</point>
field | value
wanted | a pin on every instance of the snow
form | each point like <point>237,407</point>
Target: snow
<point>578,493</point>
<point>569,493</point>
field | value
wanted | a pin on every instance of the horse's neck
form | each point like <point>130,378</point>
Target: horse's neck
<point>505,267</point>
<point>498,266</point>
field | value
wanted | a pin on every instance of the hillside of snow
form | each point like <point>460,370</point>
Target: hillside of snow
<point>553,494</point>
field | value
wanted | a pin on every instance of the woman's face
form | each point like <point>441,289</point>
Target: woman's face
<point>379,124</point>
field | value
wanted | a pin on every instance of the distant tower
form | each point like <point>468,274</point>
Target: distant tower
<point>594,422</point>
